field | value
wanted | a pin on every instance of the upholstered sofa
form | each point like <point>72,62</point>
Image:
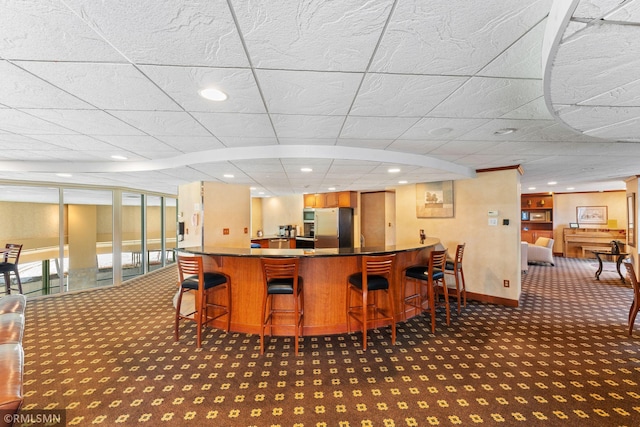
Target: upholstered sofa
<point>541,251</point>
<point>12,320</point>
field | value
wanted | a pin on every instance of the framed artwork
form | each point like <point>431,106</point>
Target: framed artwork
<point>591,214</point>
<point>434,199</point>
<point>631,220</point>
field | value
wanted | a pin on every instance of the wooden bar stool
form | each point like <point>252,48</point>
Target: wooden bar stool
<point>9,264</point>
<point>376,275</point>
<point>281,278</point>
<point>204,285</point>
<point>431,274</point>
<point>635,305</point>
<point>454,268</point>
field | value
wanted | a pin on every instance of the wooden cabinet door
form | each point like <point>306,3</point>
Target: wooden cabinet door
<point>310,201</point>
<point>347,199</point>
<point>527,236</point>
<point>331,200</point>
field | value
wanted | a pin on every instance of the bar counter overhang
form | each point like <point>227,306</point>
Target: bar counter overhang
<point>324,272</point>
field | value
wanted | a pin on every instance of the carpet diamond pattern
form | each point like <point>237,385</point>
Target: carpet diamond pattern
<point>108,358</point>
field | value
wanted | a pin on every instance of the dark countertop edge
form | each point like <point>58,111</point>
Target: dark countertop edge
<point>324,252</point>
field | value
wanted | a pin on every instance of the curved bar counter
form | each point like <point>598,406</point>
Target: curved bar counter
<point>324,272</point>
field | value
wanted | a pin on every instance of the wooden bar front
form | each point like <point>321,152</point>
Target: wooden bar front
<point>324,273</point>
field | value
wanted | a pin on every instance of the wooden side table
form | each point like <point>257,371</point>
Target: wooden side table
<point>618,257</point>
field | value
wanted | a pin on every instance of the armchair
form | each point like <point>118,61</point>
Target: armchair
<point>541,251</point>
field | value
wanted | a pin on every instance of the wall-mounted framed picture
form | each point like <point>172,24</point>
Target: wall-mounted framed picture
<point>434,199</point>
<point>591,214</point>
<point>631,220</point>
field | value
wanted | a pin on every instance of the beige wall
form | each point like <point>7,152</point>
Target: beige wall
<point>284,210</point>
<point>564,211</point>
<point>34,225</point>
<point>82,236</point>
<point>256,215</point>
<point>492,253</point>
<point>190,204</point>
<point>226,207</point>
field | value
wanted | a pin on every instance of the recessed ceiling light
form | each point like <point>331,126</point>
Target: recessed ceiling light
<point>394,170</point>
<point>403,182</point>
<point>213,94</point>
<point>552,183</point>
<point>531,188</point>
<point>64,175</point>
<point>252,188</point>
<point>118,157</point>
<point>228,175</point>
<point>571,188</point>
<point>332,188</point>
<point>505,131</point>
<point>306,170</point>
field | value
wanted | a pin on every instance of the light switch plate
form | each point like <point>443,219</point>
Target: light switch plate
<point>493,221</point>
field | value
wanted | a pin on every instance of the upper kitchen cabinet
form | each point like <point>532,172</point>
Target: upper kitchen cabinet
<point>314,200</point>
<point>339,199</point>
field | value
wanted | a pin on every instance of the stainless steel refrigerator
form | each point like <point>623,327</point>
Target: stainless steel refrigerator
<point>334,228</point>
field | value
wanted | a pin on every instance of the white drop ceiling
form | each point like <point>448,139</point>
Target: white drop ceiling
<point>347,88</point>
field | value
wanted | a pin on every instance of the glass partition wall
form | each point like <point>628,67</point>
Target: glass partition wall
<point>80,238</point>
<point>88,235</point>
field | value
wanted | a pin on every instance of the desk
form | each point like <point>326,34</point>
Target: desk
<point>618,257</point>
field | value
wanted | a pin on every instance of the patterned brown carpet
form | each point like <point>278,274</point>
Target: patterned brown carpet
<point>563,357</point>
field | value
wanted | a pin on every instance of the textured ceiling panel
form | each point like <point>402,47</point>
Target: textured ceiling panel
<point>347,88</point>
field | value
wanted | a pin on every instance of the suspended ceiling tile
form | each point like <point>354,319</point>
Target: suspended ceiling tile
<point>376,127</point>
<point>610,48</point>
<point>152,32</point>
<point>311,35</point>
<point>595,9</point>
<point>456,36</point>
<point>89,122</point>
<point>628,11</point>
<point>307,126</point>
<point>239,125</point>
<point>163,123</point>
<point>533,110</point>
<point>379,144</point>
<point>49,31</point>
<point>523,59</point>
<point>308,92</point>
<point>21,89</point>
<point>27,124</point>
<point>402,95</point>
<point>105,86</point>
<point>482,97</point>
<point>439,128</point>
<point>184,84</point>
<point>76,142</point>
<point>415,146</point>
<point>188,144</point>
<point>138,143</point>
